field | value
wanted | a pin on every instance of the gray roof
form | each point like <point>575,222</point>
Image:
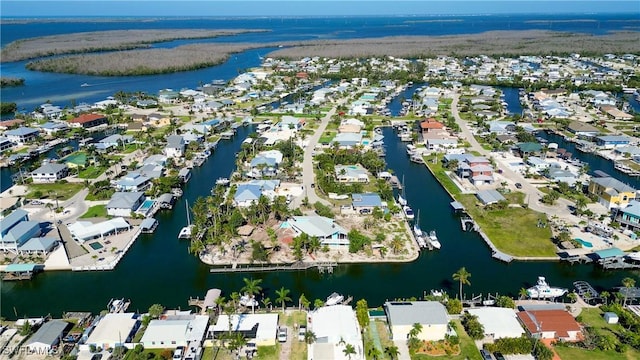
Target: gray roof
<point>12,219</point>
<point>49,168</point>
<point>366,200</point>
<point>21,131</point>
<point>489,196</point>
<point>614,138</point>
<point>613,183</point>
<point>39,244</point>
<point>124,200</point>
<point>49,333</point>
<point>421,312</point>
<point>632,209</point>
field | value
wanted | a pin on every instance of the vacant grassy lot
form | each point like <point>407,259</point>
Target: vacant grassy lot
<point>63,191</point>
<point>439,172</point>
<point>513,230</point>
<point>95,211</point>
<point>91,172</point>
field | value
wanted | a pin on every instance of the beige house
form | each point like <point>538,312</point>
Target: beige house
<point>432,315</point>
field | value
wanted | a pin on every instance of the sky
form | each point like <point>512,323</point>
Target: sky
<point>73,8</point>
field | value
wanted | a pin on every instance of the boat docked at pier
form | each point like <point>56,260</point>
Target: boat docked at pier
<point>408,212</point>
<point>433,240</point>
<point>118,305</point>
<point>418,232</point>
<point>542,290</point>
<point>334,299</point>
<point>223,181</point>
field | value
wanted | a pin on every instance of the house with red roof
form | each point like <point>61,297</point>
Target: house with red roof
<point>551,324</point>
<point>431,125</point>
<point>88,121</point>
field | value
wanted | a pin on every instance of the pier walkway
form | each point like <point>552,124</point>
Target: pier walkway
<point>271,267</point>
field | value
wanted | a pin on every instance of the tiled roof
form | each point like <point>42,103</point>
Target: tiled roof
<point>84,118</point>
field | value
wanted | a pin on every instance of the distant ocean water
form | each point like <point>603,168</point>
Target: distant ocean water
<point>63,89</point>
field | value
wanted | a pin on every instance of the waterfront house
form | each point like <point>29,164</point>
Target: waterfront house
<point>498,323</point>
<point>611,192</point>
<point>432,315</point>
<point>133,181</point>
<point>38,245</point>
<point>51,128</point>
<point>615,113</point>
<point>366,201</point>
<point>612,141</point>
<point>113,330</point>
<point>175,147</point>
<point>171,331</point>
<point>125,203</point>
<point>168,96</point>
<point>49,173</point>
<point>16,229</point>
<point>347,140</point>
<point>351,126</point>
<point>10,124</point>
<point>325,229</point>
<point>537,164</point>
<point>629,217</point>
<point>250,192</point>
<point>47,337</point>
<point>431,125</point>
<point>502,127</point>
<point>582,129</point>
<point>351,174</point>
<point>113,141</point>
<point>50,111</point>
<point>88,121</point>
<point>529,148</point>
<point>265,163</point>
<point>477,169</point>
<point>335,327</point>
<point>22,135</point>
<point>488,197</point>
<point>551,324</point>
<point>259,329</point>
<point>5,144</point>
<point>560,175</point>
<point>83,231</point>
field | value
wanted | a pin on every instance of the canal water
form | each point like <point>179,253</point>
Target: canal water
<point>158,268</point>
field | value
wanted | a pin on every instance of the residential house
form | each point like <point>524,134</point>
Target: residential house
<point>291,122</point>
<point>529,148</point>
<point>432,315</point>
<point>335,327</point>
<point>551,324</point>
<point>171,331</point>
<point>441,144</point>
<point>351,174</point>
<point>265,163</point>
<point>498,323</point>
<point>83,231</point>
<point>51,128</point>
<point>38,246</point>
<point>502,127</point>
<point>477,169</point>
<point>325,229</point>
<point>350,126</point>
<point>431,125</point>
<point>22,135</point>
<point>615,113</point>
<point>5,144</point>
<point>125,203</point>
<point>490,196</point>
<point>629,217</point>
<point>16,230</point>
<point>88,121</point>
<point>366,201</point>
<point>560,175</point>
<point>113,330</point>
<point>612,141</point>
<point>47,337</point>
<point>113,141</point>
<point>260,329</point>
<point>611,192</point>
<point>347,140</point>
<point>249,193</point>
<point>49,173</point>
<point>537,164</point>
<point>582,129</point>
<point>175,147</point>
<point>133,181</point>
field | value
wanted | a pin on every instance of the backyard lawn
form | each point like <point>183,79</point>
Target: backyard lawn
<point>468,349</point>
<point>440,174</point>
<point>64,191</point>
<point>91,172</point>
<point>513,230</point>
<point>95,211</point>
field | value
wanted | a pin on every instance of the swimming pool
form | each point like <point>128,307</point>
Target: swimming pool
<point>146,205</point>
<point>96,246</point>
<point>584,243</point>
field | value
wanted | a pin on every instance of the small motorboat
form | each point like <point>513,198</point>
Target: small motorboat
<point>84,85</point>
<point>408,212</point>
<point>433,240</point>
<point>247,300</point>
<point>185,232</point>
<point>334,299</point>
<point>223,181</point>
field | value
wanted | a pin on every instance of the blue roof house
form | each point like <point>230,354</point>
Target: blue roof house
<point>133,181</point>
<point>12,220</point>
<point>19,234</point>
<point>247,194</point>
<point>366,201</point>
<point>22,135</point>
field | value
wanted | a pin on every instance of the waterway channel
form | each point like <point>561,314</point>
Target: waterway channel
<point>158,268</point>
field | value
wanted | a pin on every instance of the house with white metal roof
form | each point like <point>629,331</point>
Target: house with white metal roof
<point>175,330</point>
<point>175,147</point>
<point>498,322</point>
<point>49,173</point>
<point>22,135</point>
<point>85,230</point>
<point>113,330</point>
<point>432,315</point>
<point>325,229</point>
<point>335,327</point>
<point>352,173</point>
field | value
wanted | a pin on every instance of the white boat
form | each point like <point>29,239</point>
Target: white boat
<point>402,201</point>
<point>185,232</point>
<point>248,301</point>
<point>408,212</point>
<point>542,290</point>
<point>84,85</point>
<point>437,293</point>
<point>223,181</point>
<point>634,256</point>
<point>418,233</point>
<point>411,149</point>
<point>118,305</point>
<point>433,239</point>
<point>334,299</point>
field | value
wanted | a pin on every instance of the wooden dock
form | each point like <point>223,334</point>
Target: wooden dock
<point>617,263</point>
<point>235,268</point>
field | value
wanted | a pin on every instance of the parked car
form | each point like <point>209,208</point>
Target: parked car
<point>365,211</point>
<point>518,185</point>
<point>36,202</point>
<point>498,355</point>
<point>177,354</point>
<point>282,334</point>
<point>486,355</point>
<point>302,330</point>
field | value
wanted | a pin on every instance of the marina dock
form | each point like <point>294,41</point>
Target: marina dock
<point>235,268</point>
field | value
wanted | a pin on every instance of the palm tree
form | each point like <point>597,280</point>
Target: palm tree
<point>349,350</point>
<point>605,296</point>
<point>416,329</point>
<point>303,302</point>
<point>397,244</point>
<point>628,283</point>
<point>523,293</point>
<point>392,351</point>
<point>462,276</point>
<point>318,303</point>
<point>251,288</point>
<point>573,296</point>
<point>266,302</point>
<point>283,297</point>
<point>373,353</point>
<point>309,337</point>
